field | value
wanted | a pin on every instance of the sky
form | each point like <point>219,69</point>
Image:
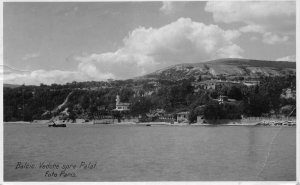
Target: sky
<point>60,42</point>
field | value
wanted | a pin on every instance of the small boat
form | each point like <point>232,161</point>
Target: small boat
<point>148,125</point>
<point>57,125</point>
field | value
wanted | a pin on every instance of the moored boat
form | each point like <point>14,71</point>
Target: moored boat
<point>57,125</point>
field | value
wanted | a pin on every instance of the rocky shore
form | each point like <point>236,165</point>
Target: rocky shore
<point>277,123</point>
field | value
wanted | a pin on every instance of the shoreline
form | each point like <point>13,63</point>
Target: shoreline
<point>269,123</point>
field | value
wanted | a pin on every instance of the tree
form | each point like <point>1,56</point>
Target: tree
<point>84,101</point>
<point>214,94</point>
<point>72,115</point>
<point>195,112</point>
<point>202,99</point>
<point>257,105</point>
<point>212,110</point>
<point>235,93</point>
<point>199,78</point>
<point>140,105</point>
<point>126,94</point>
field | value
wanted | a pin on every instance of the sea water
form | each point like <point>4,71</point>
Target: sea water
<point>35,152</point>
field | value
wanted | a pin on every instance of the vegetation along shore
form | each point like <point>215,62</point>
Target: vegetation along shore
<point>181,94</point>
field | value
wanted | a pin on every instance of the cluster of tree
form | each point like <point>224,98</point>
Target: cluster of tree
<point>27,103</point>
<point>265,97</point>
<point>31,102</point>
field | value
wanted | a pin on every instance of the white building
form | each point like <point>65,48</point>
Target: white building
<point>182,117</point>
<point>121,106</point>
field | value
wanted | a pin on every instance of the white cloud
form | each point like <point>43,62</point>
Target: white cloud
<point>271,38</point>
<point>267,37</point>
<point>253,38</point>
<point>145,50</point>
<point>40,76</point>
<point>167,7</point>
<point>181,41</point>
<point>252,28</point>
<point>291,58</point>
<point>148,49</point>
<point>274,20</point>
<point>30,56</point>
<point>170,7</point>
<point>115,65</point>
<point>250,12</point>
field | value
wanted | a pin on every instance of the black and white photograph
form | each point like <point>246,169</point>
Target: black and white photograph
<point>149,91</point>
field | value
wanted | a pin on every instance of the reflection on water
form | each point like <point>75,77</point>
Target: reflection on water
<point>158,153</point>
<point>251,154</point>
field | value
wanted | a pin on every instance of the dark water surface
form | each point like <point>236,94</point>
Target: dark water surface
<point>157,153</point>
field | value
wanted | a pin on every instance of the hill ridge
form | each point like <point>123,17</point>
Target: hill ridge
<point>230,67</point>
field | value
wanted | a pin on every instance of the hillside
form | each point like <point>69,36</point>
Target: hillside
<point>228,68</point>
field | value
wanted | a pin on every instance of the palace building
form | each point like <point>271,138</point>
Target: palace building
<point>121,106</point>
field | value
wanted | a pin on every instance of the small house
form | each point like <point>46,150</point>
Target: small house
<point>200,119</point>
<point>222,99</point>
<point>182,117</point>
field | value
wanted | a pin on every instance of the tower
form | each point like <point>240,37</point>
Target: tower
<point>117,100</point>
